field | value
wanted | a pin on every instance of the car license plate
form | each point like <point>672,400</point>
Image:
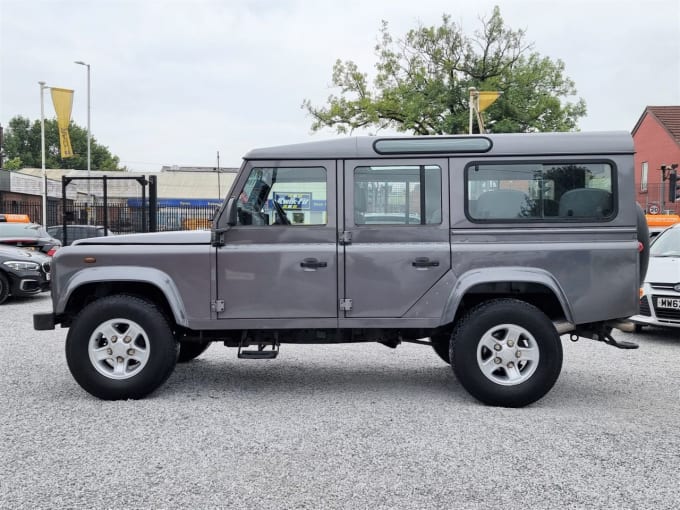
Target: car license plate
<point>664,302</point>
<point>48,276</point>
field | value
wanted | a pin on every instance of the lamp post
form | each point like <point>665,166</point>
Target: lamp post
<point>80,62</point>
<point>219,188</point>
<point>42,151</point>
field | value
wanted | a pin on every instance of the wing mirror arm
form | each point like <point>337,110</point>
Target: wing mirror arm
<point>217,234</point>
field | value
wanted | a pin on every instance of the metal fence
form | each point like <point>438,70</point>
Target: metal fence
<point>125,217</point>
<point>655,200</point>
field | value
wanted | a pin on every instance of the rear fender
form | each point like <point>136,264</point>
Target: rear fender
<point>476,277</point>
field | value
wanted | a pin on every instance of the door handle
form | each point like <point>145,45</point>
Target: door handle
<point>424,262</point>
<point>312,263</point>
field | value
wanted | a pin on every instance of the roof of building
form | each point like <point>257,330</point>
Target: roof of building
<point>667,116</point>
<point>170,184</point>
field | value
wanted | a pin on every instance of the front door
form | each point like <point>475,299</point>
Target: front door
<point>396,233</point>
<point>280,260</point>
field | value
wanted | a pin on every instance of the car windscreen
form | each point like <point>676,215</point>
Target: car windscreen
<point>667,244</point>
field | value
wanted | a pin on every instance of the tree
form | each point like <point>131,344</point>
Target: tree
<point>22,147</point>
<point>422,81</point>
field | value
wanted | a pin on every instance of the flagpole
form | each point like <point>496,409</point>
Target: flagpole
<point>42,151</point>
<point>472,91</point>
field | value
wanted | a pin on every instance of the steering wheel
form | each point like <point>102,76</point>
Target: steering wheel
<point>281,213</point>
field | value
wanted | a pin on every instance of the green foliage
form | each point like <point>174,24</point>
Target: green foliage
<point>22,147</point>
<point>422,81</point>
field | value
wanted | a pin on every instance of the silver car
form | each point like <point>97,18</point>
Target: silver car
<point>660,292</point>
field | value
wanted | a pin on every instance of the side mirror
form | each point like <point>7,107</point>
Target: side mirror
<point>232,217</point>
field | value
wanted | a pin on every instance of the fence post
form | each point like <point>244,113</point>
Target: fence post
<point>106,203</point>
<point>153,204</point>
<point>64,183</point>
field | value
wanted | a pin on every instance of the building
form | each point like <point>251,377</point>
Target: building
<point>657,142</point>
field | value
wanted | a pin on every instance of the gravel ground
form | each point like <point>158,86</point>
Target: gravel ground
<point>348,426</point>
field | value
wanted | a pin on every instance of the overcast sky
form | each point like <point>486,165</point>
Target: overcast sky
<point>175,81</point>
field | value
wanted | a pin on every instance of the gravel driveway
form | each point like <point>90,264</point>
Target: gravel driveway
<point>348,426</point>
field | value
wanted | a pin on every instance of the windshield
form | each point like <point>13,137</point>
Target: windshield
<point>667,244</point>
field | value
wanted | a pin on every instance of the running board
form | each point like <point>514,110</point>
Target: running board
<point>258,354</point>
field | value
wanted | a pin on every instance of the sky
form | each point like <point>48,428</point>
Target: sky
<point>175,81</point>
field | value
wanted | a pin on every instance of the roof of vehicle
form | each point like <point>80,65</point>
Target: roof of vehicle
<point>600,143</point>
<point>21,229</point>
<point>14,218</point>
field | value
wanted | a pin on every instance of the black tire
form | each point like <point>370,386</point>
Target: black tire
<point>4,288</point>
<point>643,238</point>
<point>537,336</point>
<point>118,314</point>
<point>441,343</point>
<point>639,328</point>
<point>191,350</point>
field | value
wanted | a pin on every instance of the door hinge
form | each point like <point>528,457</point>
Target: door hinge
<point>345,238</point>
<point>217,305</point>
<point>346,305</point>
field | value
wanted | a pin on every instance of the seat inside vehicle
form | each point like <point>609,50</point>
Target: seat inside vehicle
<point>586,203</point>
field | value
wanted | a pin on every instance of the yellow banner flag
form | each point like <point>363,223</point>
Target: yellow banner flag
<point>486,99</point>
<point>63,102</point>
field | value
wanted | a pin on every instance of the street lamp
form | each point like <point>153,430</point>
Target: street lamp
<point>42,151</point>
<point>80,62</point>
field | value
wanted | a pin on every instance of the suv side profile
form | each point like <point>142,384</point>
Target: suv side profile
<point>487,248</point>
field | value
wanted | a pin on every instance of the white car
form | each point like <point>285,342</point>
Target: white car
<point>660,292</point>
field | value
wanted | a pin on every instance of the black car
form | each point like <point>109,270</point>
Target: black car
<point>76,232</point>
<point>23,272</point>
<point>30,236</point>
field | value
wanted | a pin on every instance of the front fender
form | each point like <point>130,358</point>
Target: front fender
<point>136,274</point>
<point>503,274</point>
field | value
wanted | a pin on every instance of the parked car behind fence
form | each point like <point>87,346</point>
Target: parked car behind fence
<point>76,232</point>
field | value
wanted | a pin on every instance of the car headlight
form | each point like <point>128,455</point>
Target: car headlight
<point>19,265</point>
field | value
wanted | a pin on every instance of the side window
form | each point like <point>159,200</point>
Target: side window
<point>283,196</point>
<point>540,191</point>
<point>398,195</point>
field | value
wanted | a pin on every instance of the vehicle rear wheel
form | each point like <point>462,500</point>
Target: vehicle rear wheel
<point>506,352</point>
<point>4,288</point>
<point>121,347</point>
<point>191,350</point>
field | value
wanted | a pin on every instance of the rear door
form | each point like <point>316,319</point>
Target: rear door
<point>395,233</point>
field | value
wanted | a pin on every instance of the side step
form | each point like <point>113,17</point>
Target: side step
<point>260,353</point>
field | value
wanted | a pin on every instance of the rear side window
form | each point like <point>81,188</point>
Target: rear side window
<point>540,191</point>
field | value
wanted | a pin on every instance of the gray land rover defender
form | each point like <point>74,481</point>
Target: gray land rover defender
<point>485,247</point>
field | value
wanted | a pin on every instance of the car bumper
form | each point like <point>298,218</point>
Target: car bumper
<point>23,286</point>
<point>652,315</point>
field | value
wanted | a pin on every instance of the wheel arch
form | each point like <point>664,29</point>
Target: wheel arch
<point>532,285</point>
<point>88,284</point>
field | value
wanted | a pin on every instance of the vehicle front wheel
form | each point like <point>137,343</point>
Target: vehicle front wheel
<point>506,353</point>
<point>191,350</point>
<point>121,347</point>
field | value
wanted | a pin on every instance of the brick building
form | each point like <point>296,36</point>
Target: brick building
<point>657,142</point>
